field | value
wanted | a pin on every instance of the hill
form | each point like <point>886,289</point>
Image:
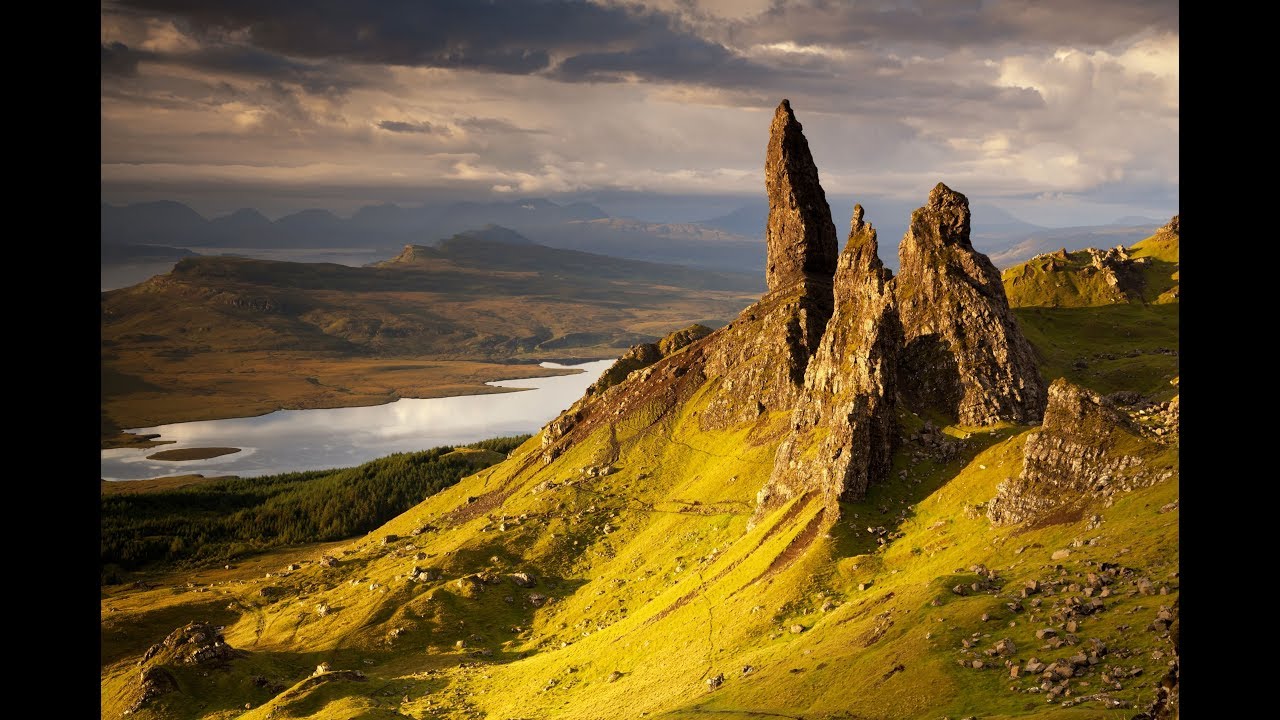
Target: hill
<point>224,336</point>
<point>1147,272</point>
<point>572,226</point>
<point>859,499</point>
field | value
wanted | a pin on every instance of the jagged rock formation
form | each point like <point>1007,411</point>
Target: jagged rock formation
<point>639,356</point>
<point>964,355</point>
<point>681,339</point>
<point>847,409</point>
<point>196,643</point>
<point>1081,452</point>
<point>800,236</point>
<point>759,359</point>
<point>839,379</point>
<point>761,356</point>
<point>643,355</point>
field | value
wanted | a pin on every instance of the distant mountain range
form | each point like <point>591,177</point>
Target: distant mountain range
<point>731,242</point>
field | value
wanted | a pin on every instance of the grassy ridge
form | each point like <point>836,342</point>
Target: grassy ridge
<point>1065,279</point>
<point>218,520</point>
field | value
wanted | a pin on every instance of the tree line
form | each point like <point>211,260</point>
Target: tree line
<point>224,519</point>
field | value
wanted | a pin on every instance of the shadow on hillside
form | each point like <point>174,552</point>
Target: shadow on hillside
<point>888,505</point>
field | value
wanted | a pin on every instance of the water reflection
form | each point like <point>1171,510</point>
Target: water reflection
<point>288,440</point>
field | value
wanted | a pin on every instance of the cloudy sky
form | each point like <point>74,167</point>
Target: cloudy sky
<point>1060,112</point>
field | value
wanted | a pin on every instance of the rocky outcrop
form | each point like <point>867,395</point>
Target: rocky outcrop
<point>197,643</point>
<point>638,357</point>
<point>681,339</point>
<point>800,236</point>
<point>645,354</point>
<point>1084,278</point>
<point>1080,453</point>
<point>759,359</point>
<point>847,411</point>
<point>964,354</point>
<point>635,360</point>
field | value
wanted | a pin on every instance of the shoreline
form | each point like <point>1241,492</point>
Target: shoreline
<point>125,438</point>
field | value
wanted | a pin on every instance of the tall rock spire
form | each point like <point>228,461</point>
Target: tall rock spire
<point>844,427</point>
<point>761,357</point>
<point>965,354</point>
<point>800,236</point>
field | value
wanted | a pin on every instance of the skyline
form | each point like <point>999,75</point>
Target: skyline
<point>1059,116</point>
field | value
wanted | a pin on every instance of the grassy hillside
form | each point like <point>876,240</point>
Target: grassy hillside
<point>222,337</point>
<point>646,584</point>
<point>1146,273</point>
<point>1107,348</point>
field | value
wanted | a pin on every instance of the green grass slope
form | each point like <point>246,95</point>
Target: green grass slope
<point>1148,275</point>
<point>648,586</point>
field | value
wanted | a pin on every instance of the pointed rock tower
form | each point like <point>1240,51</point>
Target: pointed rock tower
<point>965,355</point>
<point>753,368</point>
<point>762,355</point>
<point>800,236</point>
<point>844,428</point>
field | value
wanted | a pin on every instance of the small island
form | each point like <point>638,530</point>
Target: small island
<point>203,453</point>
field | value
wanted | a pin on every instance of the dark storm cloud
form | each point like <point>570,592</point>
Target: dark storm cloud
<point>680,59</point>
<point>118,59</point>
<point>957,23</point>
<point>396,126</point>
<point>517,37</point>
<point>317,78</point>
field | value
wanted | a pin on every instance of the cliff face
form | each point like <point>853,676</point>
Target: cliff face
<point>761,357</point>
<point>1086,449</point>
<point>964,354</point>
<point>847,408</point>
<point>800,236</point>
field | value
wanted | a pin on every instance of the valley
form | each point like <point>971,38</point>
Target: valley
<point>226,337</point>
